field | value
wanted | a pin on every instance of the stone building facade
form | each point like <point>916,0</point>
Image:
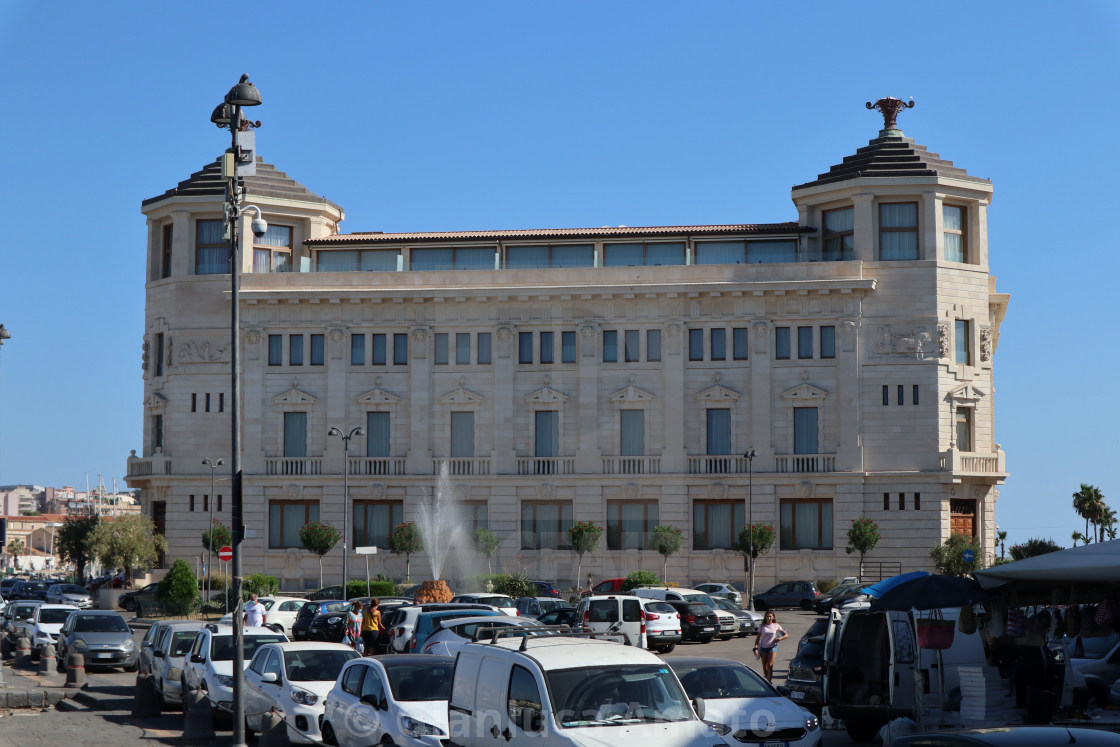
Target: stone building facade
<point>615,375</point>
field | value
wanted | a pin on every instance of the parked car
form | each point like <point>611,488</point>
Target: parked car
<point>741,704</point>
<point>537,606</point>
<point>169,656</point>
<point>389,700</point>
<point>101,636</point>
<point>428,622</point>
<point>209,666</point>
<point>281,611</point>
<point>451,635</point>
<point>607,586</point>
<point>15,614</point>
<point>663,626</point>
<point>6,585</point>
<point>44,625</point>
<point>330,626</point>
<point>747,621</point>
<point>308,612</point>
<point>805,680</point>
<point>1097,667</point>
<point>71,594</point>
<point>1012,736</point>
<point>727,591</point>
<point>698,621</point>
<point>547,589</point>
<point>295,679</point>
<point>327,593</point>
<point>30,590</point>
<point>818,628</point>
<point>788,594</point>
<point>619,614</point>
<point>128,600</point>
<point>563,616</point>
<point>145,661</point>
<point>401,621</point>
<point>500,602</point>
<point>824,602</point>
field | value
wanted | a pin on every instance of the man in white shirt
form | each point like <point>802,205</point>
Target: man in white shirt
<point>254,612</point>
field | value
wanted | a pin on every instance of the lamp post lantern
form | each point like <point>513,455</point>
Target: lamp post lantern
<point>210,548</point>
<point>749,456</point>
<point>357,431</point>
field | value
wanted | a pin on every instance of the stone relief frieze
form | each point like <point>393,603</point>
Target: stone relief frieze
<point>943,340</point>
<point>203,351</point>
<point>985,344</point>
<point>903,341</point>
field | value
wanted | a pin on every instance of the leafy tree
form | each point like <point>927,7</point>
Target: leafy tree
<point>668,540</point>
<point>948,557</point>
<point>180,585</point>
<point>486,542</point>
<point>16,547</point>
<point>407,540</point>
<point>127,542</point>
<point>1001,543</point>
<point>1032,547</point>
<point>640,578</point>
<point>320,539</point>
<point>585,537</point>
<point>863,536</point>
<point>753,541</point>
<point>220,534</point>
<point>1089,505</point>
<point>74,542</point>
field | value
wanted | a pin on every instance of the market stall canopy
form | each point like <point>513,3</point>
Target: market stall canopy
<point>922,590</point>
<point>1095,563</point>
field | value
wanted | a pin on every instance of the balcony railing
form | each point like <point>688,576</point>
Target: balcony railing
<point>293,465</point>
<point>377,465</point>
<point>974,462</point>
<point>799,463</point>
<point>157,464</point>
<point>463,466</point>
<point>546,465</point>
<point>717,464</point>
<point>631,465</point>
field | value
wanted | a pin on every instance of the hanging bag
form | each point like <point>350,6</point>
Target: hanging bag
<point>966,622</point>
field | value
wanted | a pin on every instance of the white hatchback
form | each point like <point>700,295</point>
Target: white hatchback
<point>280,611</point>
<point>452,635</point>
<point>663,626</point>
<point>209,666</point>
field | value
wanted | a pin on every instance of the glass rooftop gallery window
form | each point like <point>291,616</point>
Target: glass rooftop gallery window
<point>640,253</point>
<point>454,258</point>
<point>550,255</point>
<point>745,252</point>
<point>353,260</point>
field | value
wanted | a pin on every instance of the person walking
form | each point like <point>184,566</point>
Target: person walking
<point>354,626</point>
<point>371,627</point>
<point>770,633</point>
<point>255,612</point>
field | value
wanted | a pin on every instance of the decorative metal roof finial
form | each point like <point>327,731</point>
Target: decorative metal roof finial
<point>889,107</point>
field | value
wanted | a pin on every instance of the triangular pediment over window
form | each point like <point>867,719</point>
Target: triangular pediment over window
<point>378,396</point>
<point>804,392</point>
<point>631,394</point>
<point>967,393</point>
<point>461,396</point>
<point>546,396</point>
<point>718,393</point>
<point>155,401</point>
<point>293,397</point>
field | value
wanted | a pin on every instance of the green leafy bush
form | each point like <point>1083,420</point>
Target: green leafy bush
<point>640,578</point>
<point>375,589</point>
<point>179,585</point>
<point>260,584</point>
<point>514,585</point>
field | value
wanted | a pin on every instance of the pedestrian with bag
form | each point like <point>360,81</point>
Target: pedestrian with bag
<point>354,627</point>
<point>371,626</point>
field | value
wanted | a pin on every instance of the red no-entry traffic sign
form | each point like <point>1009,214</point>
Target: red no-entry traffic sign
<point>225,554</point>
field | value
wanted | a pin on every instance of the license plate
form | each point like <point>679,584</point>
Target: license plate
<point>708,630</point>
<point>104,656</point>
<point>775,744</point>
<point>797,695</point>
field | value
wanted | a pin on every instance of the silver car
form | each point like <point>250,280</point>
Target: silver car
<point>168,656</point>
<point>102,636</point>
<point>71,594</point>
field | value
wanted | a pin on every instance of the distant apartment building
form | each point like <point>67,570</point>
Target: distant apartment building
<point>17,499</point>
<point>614,375</point>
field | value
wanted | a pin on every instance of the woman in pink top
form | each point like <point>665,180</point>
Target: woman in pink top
<point>770,633</point>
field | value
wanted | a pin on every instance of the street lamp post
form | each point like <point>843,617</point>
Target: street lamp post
<point>749,456</point>
<point>228,114</point>
<point>210,549</point>
<point>357,431</point>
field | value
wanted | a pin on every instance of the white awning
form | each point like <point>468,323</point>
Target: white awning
<point>1097,562</point>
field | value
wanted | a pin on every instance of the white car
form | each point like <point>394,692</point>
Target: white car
<point>727,591</point>
<point>399,700</point>
<point>500,602</point>
<point>293,678</point>
<point>43,626</point>
<point>71,594</point>
<point>209,666</point>
<point>401,622</point>
<point>280,611</point>
<point>663,626</point>
<point>450,638</point>
<point>169,656</point>
<point>728,623</point>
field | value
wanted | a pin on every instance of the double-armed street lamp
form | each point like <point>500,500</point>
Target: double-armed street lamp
<point>356,431</point>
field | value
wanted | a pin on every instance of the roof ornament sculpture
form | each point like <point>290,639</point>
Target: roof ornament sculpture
<point>890,107</point>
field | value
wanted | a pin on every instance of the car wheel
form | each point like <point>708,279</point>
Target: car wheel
<point>742,634</point>
<point>128,605</point>
<point>5,648</point>
<point>667,649</point>
<point>862,730</point>
<point>130,667</point>
<point>249,732</point>
<point>760,606</point>
<point>60,664</point>
<point>806,605</point>
<point>329,738</point>
<point>706,639</point>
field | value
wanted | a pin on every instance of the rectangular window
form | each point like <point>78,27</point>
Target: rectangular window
<point>462,434</point>
<point>275,350</point>
<point>366,260</point>
<point>357,350</point>
<point>547,433</point>
<point>781,343</point>
<point>901,390</point>
<point>805,430</point>
<point>804,342</point>
<point>159,354</point>
<point>205,503</point>
<point>374,522</point>
<point>886,394</point>
<point>157,433</point>
<point>964,347</point>
<point>273,251</point>
<point>400,349</point>
<point>653,344</point>
<point>902,501</point>
<point>191,503</point>
<point>285,519</point>
<point>917,501</point>
<point>898,230</point>
<point>828,342</point>
<point>379,353</point>
<point>295,434</point>
<point>377,434</point>
<point>632,433</point>
<point>630,524</point>
<point>483,348</point>
<point>718,339</point>
<point>631,343</point>
<point>955,236</point>
<point>441,349</point>
<point>207,402</point>
<point>696,344</point>
<point>721,252</point>
<point>194,402</point>
<point>318,350</point>
<point>524,347</point>
<point>295,350</point>
<point>165,256</point>
<point>806,524</point>
<point>221,401</point>
<point>914,395</point>
<point>719,431</point>
<point>219,504</point>
<point>548,347</point>
<point>886,501</point>
<point>530,257</point>
<point>839,235</point>
<point>477,514</point>
<point>455,258</point>
<point>610,346</point>
<point>641,254</point>
<point>462,348</point>
<point>211,254</point>
<point>716,524</point>
<point>740,343</point>
<point>545,525</point>
<point>964,428</point>
<point>568,347</point>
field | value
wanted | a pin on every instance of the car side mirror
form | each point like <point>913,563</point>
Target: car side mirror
<point>698,706</point>
<point>270,678</point>
<point>198,659</point>
<point>375,702</point>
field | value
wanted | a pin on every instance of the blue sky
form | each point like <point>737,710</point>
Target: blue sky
<point>440,116</point>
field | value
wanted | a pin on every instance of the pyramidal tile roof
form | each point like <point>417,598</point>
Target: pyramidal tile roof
<point>891,155</point>
<point>268,182</point>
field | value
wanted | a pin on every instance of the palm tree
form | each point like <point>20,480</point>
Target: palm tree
<point>1089,504</point>
<point>1001,542</point>
<point>1076,536</point>
<point>1107,521</point>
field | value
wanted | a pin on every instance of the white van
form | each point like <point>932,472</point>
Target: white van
<point>614,613</point>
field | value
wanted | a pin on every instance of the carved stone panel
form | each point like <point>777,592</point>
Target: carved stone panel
<point>903,341</point>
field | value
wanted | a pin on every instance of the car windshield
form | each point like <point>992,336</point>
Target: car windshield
<point>26,613</point>
<point>467,630</point>
<point>496,601</point>
<point>702,598</point>
<point>68,589</point>
<point>725,604</point>
<point>714,681</point>
<point>617,695</point>
<point>421,680</point>
<point>221,647</point>
<point>54,615</point>
<point>182,642</point>
<point>660,607</point>
<point>335,607</point>
<point>100,624</point>
<point>316,666</point>
<point>547,605</point>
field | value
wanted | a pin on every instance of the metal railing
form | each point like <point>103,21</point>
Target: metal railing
<point>459,466</point>
<point>800,463</point>
<point>546,465</point>
<point>631,465</point>
<point>293,465</point>
<point>376,465</point>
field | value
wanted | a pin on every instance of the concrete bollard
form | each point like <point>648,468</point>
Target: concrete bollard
<point>23,652</point>
<point>76,670</point>
<point>146,701</point>
<point>46,659</point>
<point>274,732</point>
<point>198,726</point>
